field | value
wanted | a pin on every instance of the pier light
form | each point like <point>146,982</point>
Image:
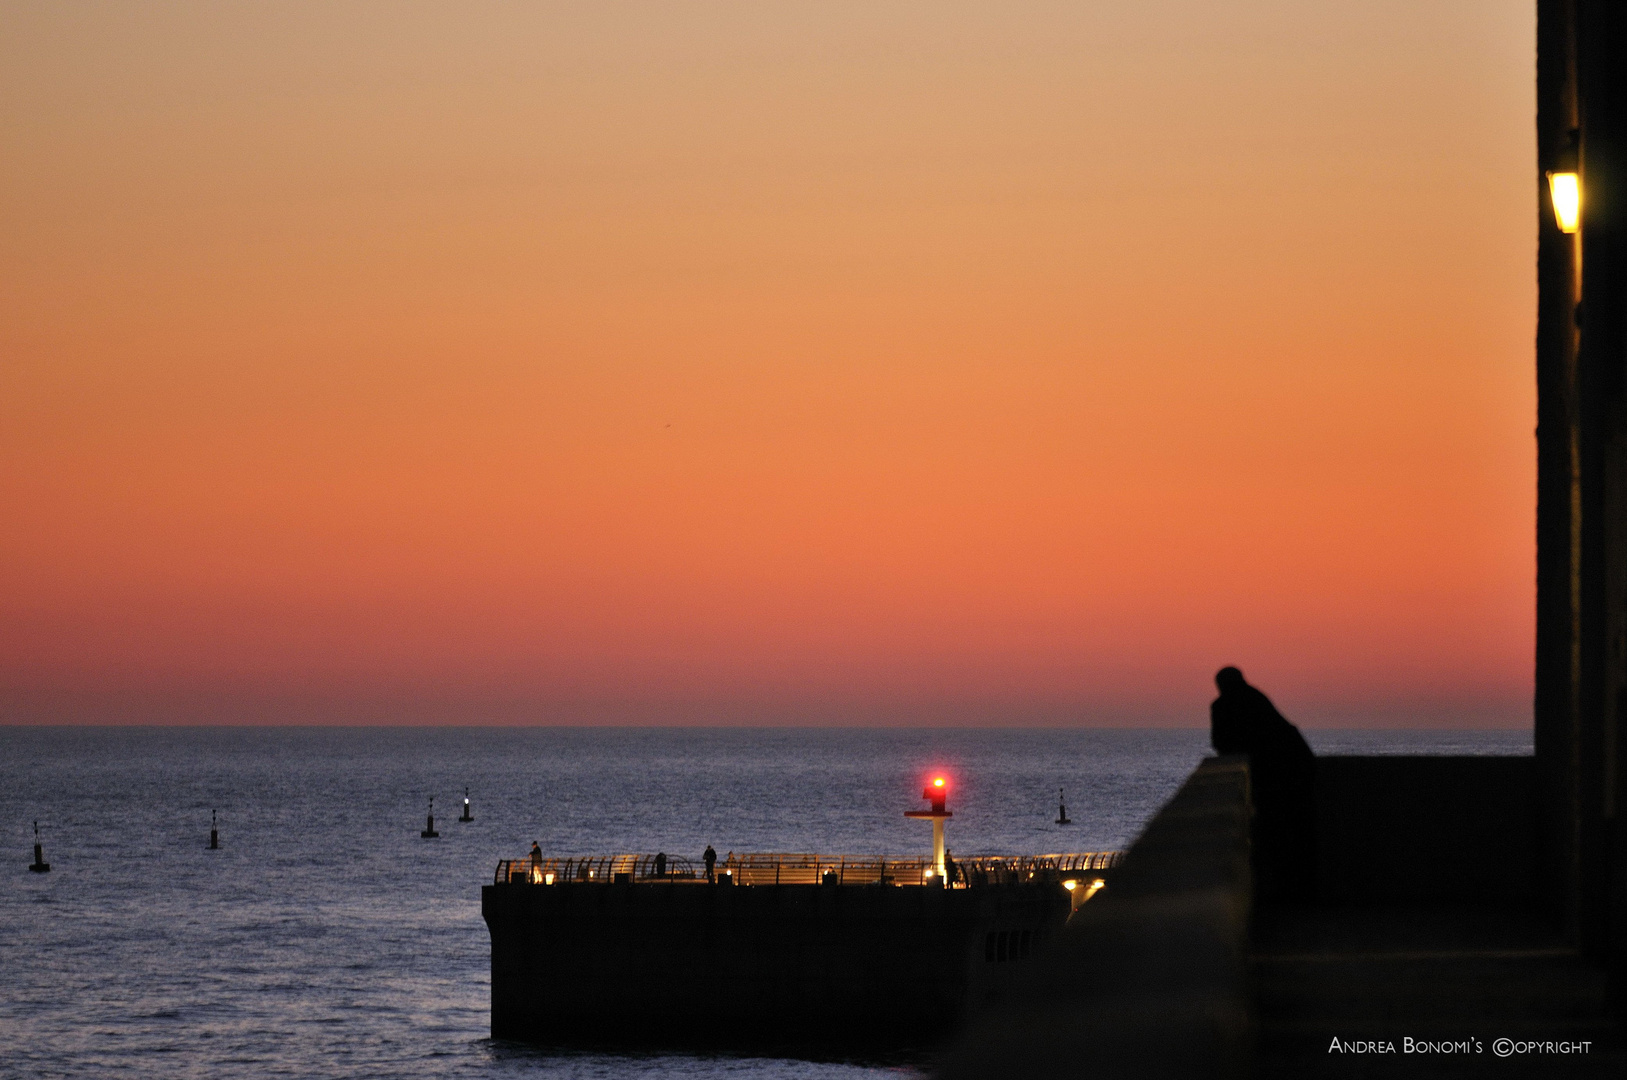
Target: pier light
<point>1081,891</point>
<point>1565,192</point>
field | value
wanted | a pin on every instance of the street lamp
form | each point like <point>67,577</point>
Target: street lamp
<point>1565,192</point>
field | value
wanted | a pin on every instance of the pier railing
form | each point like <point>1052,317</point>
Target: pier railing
<point>802,869</point>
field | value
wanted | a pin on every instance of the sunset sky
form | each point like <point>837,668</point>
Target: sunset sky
<point>766,363</point>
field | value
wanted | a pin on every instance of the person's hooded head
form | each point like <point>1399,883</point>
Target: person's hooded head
<point>1229,680</point>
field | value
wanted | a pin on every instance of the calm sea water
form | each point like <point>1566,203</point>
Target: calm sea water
<point>326,939</point>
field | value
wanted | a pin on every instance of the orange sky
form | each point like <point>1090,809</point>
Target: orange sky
<point>766,363</point>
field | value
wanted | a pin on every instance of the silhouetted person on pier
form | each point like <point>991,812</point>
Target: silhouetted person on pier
<point>710,859</point>
<point>1282,773</point>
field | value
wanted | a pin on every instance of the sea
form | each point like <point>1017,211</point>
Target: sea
<point>326,938</point>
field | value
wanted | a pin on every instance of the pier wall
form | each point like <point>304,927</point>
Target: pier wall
<point>1150,978</point>
<point>1154,975</point>
<point>701,965</point>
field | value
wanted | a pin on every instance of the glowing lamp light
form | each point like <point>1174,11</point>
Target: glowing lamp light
<point>1565,191</point>
<point>938,782</point>
<point>1070,885</point>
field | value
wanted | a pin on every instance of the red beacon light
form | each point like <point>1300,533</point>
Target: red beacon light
<point>937,792</point>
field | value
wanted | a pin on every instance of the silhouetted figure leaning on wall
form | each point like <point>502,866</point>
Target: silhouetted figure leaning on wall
<point>1282,773</point>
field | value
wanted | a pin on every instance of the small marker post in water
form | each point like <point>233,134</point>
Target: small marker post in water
<point>39,865</point>
<point>429,832</point>
<point>466,815</point>
<point>214,833</point>
<point>1061,809</point>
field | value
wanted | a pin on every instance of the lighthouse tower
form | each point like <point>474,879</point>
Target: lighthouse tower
<point>937,794</point>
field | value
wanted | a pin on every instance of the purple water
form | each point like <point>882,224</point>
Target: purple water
<point>326,939</point>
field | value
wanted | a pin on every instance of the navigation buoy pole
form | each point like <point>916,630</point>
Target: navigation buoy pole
<point>214,833</point>
<point>937,793</point>
<point>39,865</point>
<point>466,815</point>
<point>429,832</point>
<point>1061,809</point>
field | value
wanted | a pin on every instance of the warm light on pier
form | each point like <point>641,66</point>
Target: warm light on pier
<point>1565,191</point>
<point>1080,891</point>
<point>807,868</point>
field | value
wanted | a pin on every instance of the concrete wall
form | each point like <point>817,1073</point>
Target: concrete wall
<point>744,966</point>
<point>1409,829</point>
<point>1150,978</point>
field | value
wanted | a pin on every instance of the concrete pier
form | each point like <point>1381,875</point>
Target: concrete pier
<point>830,967</point>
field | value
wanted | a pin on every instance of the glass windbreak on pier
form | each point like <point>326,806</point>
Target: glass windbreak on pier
<point>802,869</point>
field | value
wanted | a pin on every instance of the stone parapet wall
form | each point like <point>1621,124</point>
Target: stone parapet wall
<point>1150,978</point>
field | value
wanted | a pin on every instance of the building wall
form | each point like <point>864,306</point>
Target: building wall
<point>1581,661</point>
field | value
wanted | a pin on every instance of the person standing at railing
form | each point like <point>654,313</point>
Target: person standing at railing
<point>1282,780</point>
<point>710,858</point>
<point>536,862</point>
